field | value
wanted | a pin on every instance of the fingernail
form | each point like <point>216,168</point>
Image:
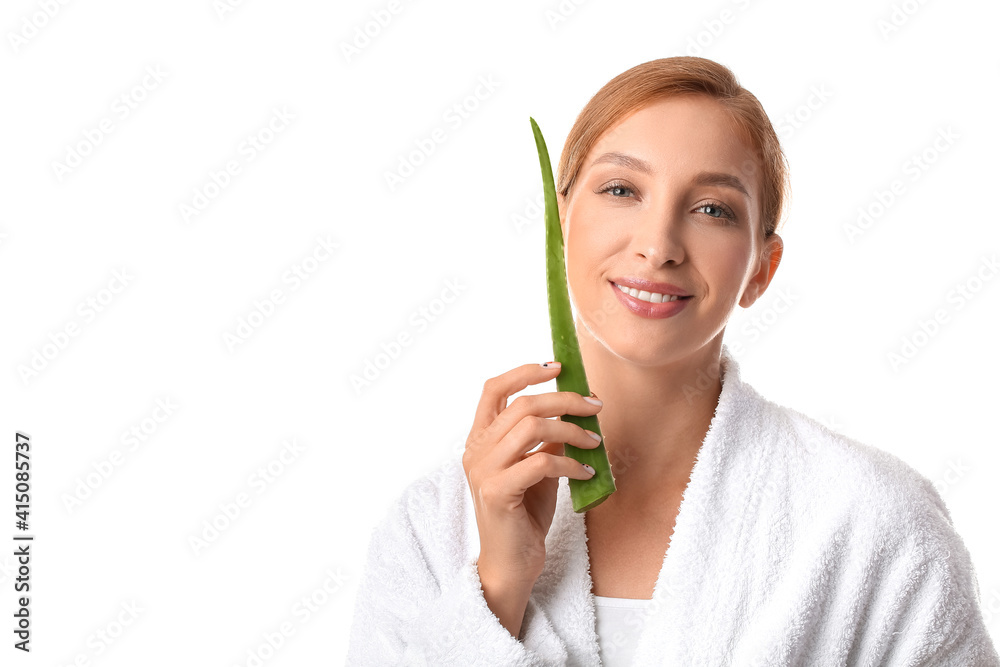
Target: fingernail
<point>590,471</point>
<point>551,364</point>
<point>595,401</point>
<point>593,435</point>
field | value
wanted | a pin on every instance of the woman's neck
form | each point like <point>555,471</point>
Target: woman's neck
<point>654,419</point>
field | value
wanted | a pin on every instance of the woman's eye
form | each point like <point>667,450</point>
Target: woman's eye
<point>616,190</point>
<point>722,212</point>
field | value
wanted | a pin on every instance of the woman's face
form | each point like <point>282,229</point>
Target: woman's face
<point>669,195</point>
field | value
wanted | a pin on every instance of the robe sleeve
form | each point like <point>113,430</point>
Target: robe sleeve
<point>405,615</point>
<point>928,611</point>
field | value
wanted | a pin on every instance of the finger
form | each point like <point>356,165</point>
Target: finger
<point>555,448</point>
<point>526,406</point>
<point>520,477</point>
<point>532,430</point>
<point>497,390</point>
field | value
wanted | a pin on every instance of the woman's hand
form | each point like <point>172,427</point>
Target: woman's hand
<point>514,490</point>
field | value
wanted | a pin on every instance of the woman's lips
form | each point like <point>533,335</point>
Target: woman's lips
<point>647,309</point>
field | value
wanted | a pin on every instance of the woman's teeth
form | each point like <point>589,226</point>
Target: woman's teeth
<point>651,297</point>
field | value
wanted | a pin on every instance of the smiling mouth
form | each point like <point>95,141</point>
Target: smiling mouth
<point>649,297</point>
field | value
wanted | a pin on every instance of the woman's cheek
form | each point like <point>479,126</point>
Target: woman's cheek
<point>728,260</point>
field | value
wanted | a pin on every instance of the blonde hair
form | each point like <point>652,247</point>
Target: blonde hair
<point>684,75</point>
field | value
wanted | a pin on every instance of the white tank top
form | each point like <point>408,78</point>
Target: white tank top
<point>619,621</point>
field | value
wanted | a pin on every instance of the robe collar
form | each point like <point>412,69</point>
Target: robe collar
<point>566,584</point>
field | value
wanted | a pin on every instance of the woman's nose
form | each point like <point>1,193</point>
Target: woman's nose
<point>658,236</point>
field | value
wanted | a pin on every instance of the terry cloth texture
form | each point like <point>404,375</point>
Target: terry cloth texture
<point>794,545</point>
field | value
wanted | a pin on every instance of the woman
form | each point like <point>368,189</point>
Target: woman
<point>741,532</point>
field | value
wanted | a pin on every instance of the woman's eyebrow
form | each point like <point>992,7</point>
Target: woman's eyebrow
<point>704,178</point>
<point>624,160</point>
<point>723,179</point>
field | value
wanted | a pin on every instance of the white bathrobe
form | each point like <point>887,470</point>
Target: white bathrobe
<point>794,545</point>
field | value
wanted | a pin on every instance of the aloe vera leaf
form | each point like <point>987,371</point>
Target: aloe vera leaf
<point>586,493</point>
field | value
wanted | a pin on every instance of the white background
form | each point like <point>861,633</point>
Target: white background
<point>322,176</point>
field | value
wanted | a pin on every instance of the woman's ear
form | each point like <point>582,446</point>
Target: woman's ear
<point>770,258</point>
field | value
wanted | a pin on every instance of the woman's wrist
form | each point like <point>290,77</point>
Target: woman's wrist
<point>506,598</point>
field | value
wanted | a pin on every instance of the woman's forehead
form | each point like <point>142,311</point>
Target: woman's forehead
<point>672,132</point>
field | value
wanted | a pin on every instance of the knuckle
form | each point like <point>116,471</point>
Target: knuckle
<point>540,460</point>
<point>523,403</point>
<point>530,426</point>
<point>534,422</point>
<point>472,440</point>
<point>477,439</point>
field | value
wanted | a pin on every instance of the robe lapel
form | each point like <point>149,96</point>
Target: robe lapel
<point>707,531</point>
<point>691,616</point>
